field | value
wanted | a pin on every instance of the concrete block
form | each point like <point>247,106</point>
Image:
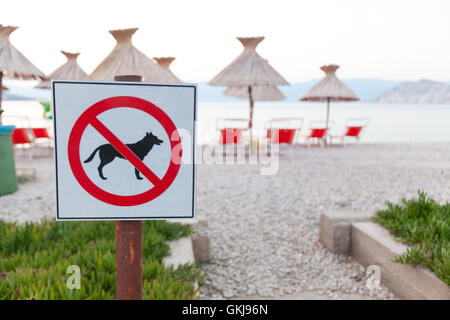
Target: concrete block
<point>202,248</point>
<point>371,244</point>
<point>335,229</point>
<point>181,252</point>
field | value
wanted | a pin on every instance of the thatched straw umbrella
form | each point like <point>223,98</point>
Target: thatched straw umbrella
<point>329,89</point>
<point>259,93</point>
<point>165,63</point>
<point>125,59</point>
<point>249,70</point>
<point>12,62</point>
<point>70,70</point>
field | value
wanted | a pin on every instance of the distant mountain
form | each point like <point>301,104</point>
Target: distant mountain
<point>374,90</point>
<point>365,89</point>
<point>422,91</point>
<point>369,89</point>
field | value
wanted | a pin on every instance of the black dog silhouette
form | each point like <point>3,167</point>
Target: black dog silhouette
<point>108,153</point>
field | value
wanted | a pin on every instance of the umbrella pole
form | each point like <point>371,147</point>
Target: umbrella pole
<point>250,123</point>
<point>328,118</point>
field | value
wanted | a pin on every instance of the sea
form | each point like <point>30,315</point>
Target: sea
<point>387,122</point>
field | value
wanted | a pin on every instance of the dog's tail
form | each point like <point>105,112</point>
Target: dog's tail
<point>92,155</point>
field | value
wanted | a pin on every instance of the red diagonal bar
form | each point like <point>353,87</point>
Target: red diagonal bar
<point>125,151</point>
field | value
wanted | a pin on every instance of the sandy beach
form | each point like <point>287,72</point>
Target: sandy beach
<point>264,229</point>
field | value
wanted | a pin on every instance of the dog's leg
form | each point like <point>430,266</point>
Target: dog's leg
<point>107,155</point>
<point>100,171</point>
<point>138,176</point>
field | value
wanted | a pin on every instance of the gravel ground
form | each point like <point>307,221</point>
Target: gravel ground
<point>36,197</point>
<point>264,229</point>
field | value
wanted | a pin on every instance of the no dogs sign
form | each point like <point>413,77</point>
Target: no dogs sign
<point>124,150</point>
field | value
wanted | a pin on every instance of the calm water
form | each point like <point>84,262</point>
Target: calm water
<point>389,122</point>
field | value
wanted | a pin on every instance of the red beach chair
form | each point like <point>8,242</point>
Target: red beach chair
<point>231,131</point>
<point>40,133</point>
<point>318,132</point>
<point>42,138</point>
<point>283,130</point>
<point>353,129</point>
<point>230,136</point>
<point>22,141</point>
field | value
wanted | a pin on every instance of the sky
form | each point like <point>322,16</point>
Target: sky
<point>389,39</point>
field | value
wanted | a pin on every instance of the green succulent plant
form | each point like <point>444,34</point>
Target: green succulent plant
<point>423,224</point>
<point>34,259</point>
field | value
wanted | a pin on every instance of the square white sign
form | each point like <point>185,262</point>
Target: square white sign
<point>124,150</point>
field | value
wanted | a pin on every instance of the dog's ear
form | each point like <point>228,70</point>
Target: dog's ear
<point>146,134</point>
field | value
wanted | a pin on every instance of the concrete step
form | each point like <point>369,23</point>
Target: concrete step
<point>371,244</point>
<point>335,229</point>
<point>181,252</point>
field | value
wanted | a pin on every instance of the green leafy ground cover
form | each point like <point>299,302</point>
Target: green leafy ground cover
<point>425,225</point>
<point>34,259</point>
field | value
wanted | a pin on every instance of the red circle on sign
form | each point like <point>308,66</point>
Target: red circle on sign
<point>90,115</point>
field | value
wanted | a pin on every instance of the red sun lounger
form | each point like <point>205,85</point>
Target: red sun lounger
<point>230,136</point>
<point>42,138</point>
<point>318,132</point>
<point>22,141</point>
<point>353,129</point>
<point>40,133</point>
<point>20,137</point>
<point>231,131</point>
<point>283,130</point>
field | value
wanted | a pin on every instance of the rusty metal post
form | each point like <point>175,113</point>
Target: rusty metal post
<point>129,247</point>
<point>129,260</point>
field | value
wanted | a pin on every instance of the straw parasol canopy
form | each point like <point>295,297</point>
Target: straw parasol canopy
<point>70,70</point>
<point>329,89</point>
<point>165,63</point>
<point>125,59</point>
<point>12,62</point>
<point>249,69</point>
<point>247,72</point>
<point>259,93</point>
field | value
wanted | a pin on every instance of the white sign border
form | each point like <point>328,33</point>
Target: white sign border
<point>194,143</point>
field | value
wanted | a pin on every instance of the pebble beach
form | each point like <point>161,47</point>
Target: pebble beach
<point>264,229</point>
